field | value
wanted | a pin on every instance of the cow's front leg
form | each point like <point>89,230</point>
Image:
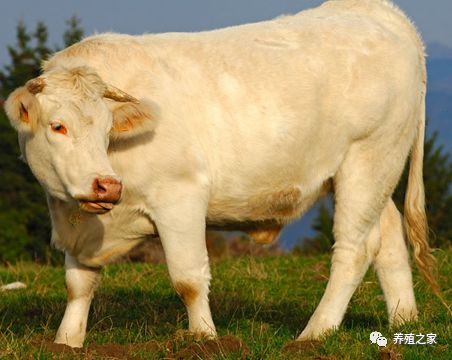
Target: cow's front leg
<point>182,226</point>
<point>81,281</point>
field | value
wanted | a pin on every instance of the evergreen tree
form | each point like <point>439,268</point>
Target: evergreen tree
<point>74,33</point>
<point>23,62</point>
<point>323,225</point>
<point>24,223</point>
<point>24,219</point>
<point>323,239</point>
<point>42,51</point>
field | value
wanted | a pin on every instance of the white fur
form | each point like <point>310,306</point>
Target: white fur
<point>253,122</point>
<point>81,282</point>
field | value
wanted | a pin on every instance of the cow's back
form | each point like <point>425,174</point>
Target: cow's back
<point>271,108</point>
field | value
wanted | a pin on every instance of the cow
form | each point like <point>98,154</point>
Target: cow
<point>247,127</point>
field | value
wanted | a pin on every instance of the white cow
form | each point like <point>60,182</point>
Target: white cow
<point>243,126</point>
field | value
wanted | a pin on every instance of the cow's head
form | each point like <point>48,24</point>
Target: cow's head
<point>65,120</point>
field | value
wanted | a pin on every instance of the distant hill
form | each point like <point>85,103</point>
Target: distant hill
<point>439,98</point>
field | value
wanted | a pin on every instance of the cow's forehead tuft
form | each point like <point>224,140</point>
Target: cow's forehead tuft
<point>81,83</point>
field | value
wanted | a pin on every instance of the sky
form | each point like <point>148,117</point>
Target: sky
<point>140,16</point>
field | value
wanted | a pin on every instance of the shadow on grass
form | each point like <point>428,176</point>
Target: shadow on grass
<point>127,308</point>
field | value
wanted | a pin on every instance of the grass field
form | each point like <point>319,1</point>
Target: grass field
<point>264,301</point>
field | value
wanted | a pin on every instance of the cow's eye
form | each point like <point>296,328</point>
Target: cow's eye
<point>59,128</point>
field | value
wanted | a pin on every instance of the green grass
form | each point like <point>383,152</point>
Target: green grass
<point>265,301</point>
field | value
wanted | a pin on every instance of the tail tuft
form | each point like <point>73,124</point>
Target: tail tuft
<point>415,218</point>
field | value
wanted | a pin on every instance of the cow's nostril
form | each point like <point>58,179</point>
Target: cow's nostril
<point>100,187</point>
<point>107,189</point>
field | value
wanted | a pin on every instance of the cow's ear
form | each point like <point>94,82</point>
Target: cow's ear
<point>131,119</point>
<point>22,109</point>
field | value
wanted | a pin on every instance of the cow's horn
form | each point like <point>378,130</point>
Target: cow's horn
<point>114,93</point>
<point>35,85</point>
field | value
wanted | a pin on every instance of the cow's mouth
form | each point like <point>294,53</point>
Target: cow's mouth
<point>96,207</point>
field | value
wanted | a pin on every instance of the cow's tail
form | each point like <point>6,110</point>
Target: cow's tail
<point>415,218</point>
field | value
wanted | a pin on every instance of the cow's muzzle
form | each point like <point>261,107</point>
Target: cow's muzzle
<point>106,191</point>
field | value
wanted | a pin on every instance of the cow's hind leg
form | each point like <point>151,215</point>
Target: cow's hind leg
<point>363,185</point>
<point>81,282</point>
<point>393,268</point>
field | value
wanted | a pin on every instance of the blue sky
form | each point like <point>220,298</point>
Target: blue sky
<point>433,18</point>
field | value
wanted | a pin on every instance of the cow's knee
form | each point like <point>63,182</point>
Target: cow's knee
<point>81,282</point>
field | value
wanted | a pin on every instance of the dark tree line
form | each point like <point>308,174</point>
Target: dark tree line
<point>24,220</point>
<point>31,50</point>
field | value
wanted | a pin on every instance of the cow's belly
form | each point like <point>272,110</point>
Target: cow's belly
<point>280,205</point>
<point>279,179</point>
<point>272,160</point>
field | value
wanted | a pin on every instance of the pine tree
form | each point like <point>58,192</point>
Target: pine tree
<point>323,225</point>
<point>74,33</point>
<point>23,62</point>
<point>323,239</point>
<point>42,51</point>
<point>30,51</point>
<point>24,219</point>
<point>24,223</point>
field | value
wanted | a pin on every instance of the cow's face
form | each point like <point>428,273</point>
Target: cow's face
<point>65,124</point>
